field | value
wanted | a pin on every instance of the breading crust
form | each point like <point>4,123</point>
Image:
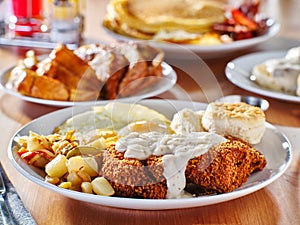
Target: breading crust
<point>220,170</point>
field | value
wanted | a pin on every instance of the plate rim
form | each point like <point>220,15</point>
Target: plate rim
<point>171,77</point>
<point>149,204</point>
<point>232,75</point>
<point>235,45</point>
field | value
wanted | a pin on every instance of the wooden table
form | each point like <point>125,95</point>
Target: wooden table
<point>278,203</point>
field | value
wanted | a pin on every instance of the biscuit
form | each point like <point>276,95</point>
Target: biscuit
<point>186,121</point>
<point>239,120</point>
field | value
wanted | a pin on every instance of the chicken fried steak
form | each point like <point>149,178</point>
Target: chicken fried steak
<point>221,169</point>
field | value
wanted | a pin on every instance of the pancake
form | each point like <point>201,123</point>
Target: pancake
<point>143,19</point>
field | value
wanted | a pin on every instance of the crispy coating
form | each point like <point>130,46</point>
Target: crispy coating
<point>225,168</point>
<point>132,177</point>
<point>221,169</point>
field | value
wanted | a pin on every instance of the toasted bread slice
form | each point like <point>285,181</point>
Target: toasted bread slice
<point>67,67</point>
<point>42,87</point>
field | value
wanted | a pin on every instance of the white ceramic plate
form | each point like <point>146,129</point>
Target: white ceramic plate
<point>239,70</point>
<point>215,51</point>
<point>275,146</point>
<point>168,80</point>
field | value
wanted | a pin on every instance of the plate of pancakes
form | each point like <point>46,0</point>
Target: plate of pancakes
<point>209,28</point>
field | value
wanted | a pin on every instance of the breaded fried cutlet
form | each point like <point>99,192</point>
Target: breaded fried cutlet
<point>132,177</point>
<point>225,168</point>
<point>221,169</point>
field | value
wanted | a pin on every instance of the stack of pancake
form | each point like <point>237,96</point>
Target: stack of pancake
<point>146,19</point>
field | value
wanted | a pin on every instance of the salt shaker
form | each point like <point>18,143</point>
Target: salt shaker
<point>65,22</point>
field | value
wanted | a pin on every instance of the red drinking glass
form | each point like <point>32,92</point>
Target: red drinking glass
<point>29,16</point>
<point>28,8</point>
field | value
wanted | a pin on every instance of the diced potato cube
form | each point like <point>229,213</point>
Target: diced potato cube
<point>75,163</point>
<point>84,176</point>
<point>52,180</point>
<point>87,187</point>
<point>90,166</point>
<point>57,167</point>
<point>98,143</point>
<point>74,178</point>
<point>102,187</point>
<point>77,178</point>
